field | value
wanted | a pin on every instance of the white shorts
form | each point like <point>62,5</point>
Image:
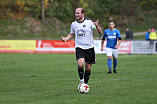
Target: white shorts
<point>112,52</point>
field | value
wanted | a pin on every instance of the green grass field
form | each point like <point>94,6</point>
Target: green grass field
<point>53,79</point>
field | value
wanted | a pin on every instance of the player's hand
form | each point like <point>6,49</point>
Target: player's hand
<point>116,47</point>
<point>63,39</point>
<point>101,48</point>
<point>96,23</point>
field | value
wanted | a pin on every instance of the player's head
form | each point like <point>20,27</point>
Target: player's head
<point>111,24</point>
<point>79,14</point>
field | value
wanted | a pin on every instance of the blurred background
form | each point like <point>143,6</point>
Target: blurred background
<point>49,19</point>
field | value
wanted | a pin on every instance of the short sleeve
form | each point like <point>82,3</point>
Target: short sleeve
<point>93,26</point>
<point>72,31</point>
<point>104,34</point>
<point>118,34</point>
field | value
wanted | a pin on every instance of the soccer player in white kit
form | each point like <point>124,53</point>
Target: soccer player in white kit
<point>82,28</point>
<point>113,35</point>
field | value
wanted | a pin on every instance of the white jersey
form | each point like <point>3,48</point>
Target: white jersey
<point>83,33</point>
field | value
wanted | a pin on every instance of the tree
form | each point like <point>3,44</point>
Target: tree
<point>43,12</point>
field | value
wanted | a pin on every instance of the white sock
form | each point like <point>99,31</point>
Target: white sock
<point>81,79</point>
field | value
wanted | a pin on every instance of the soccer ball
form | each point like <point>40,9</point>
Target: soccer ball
<point>83,88</point>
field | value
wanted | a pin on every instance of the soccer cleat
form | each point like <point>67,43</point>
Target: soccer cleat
<point>109,72</point>
<point>81,82</point>
<point>114,71</point>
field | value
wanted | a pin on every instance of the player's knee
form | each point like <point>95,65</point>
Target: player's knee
<point>80,62</point>
<point>109,57</point>
<point>80,65</point>
<point>88,67</point>
<point>115,59</point>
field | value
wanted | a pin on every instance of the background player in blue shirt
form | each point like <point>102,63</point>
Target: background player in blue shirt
<point>113,35</point>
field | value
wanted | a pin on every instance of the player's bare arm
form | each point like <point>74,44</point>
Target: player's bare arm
<point>102,43</point>
<point>69,36</point>
<point>119,42</point>
<point>98,27</point>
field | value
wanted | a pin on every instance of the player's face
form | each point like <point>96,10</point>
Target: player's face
<point>111,25</point>
<point>78,14</point>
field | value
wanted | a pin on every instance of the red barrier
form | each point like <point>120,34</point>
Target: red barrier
<point>55,46</point>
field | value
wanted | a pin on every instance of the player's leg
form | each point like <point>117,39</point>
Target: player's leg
<point>87,72</point>
<point>89,59</point>
<point>115,60</point>
<point>80,61</point>
<point>109,61</point>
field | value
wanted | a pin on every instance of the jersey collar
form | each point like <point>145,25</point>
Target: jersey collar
<point>82,21</point>
<point>111,30</point>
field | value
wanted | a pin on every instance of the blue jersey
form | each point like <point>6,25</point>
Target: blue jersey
<point>111,36</point>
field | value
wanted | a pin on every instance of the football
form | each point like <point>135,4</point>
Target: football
<point>84,88</point>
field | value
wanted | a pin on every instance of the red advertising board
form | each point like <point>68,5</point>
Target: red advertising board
<point>125,47</point>
<point>55,46</point>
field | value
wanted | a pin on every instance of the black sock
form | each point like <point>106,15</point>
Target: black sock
<point>87,76</point>
<point>80,72</point>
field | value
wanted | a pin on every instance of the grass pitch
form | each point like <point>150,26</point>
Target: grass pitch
<point>53,79</point>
